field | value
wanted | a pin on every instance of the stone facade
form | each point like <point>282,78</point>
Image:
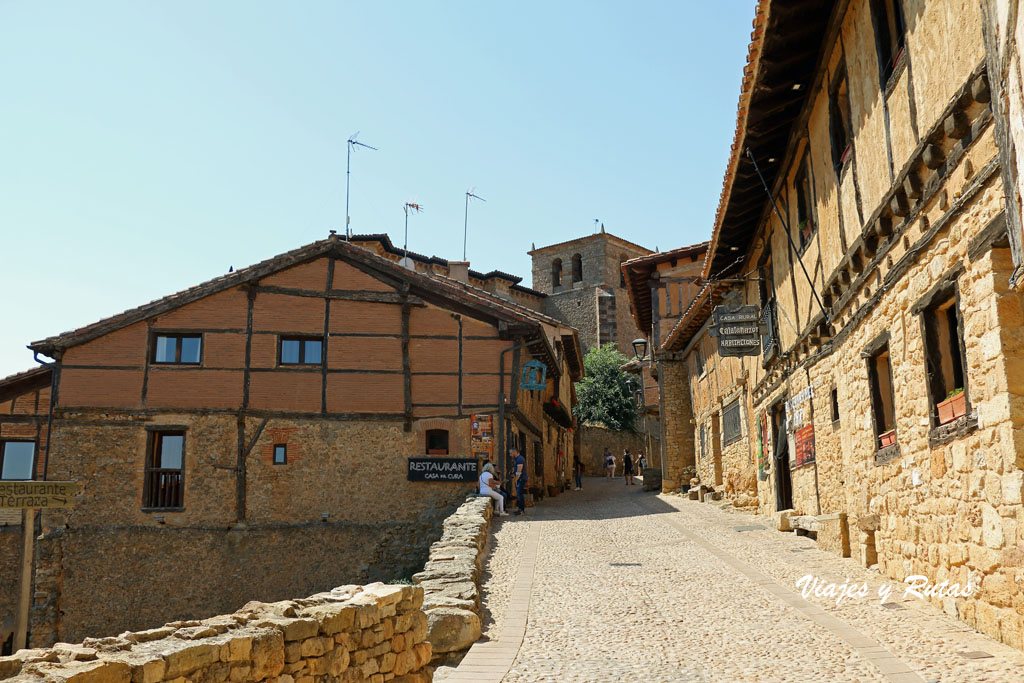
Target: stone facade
<point>272,458</point>
<point>896,204</point>
<point>353,633</point>
<point>589,294</point>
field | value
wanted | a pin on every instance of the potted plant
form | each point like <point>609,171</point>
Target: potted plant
<point>806,228</point>
<point>687,474</point>
<point>954,406</point>
<point>888,438</point>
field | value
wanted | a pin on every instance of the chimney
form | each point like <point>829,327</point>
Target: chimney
<point>459,270</point>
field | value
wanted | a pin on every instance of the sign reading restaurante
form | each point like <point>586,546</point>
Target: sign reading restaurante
<point>19,495</point>
<point>442,469</point>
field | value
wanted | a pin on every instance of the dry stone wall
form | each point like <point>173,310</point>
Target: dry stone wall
<point>451,578</point>
<point>373,633</point>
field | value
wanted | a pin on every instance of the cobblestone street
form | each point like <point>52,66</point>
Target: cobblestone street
<point>614,584</point>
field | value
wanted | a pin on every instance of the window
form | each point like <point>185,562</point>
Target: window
<point>839,122</point>
<point>703,441</point>
<point>165,471</point>
<point>556,273</point>
<point>732,428</point>
<point>301,350</point>
<point>538,461</point>
<point>437,442</point>
<point>280,454</point>
<point>184,349</point>
<point>835,404</point>
<point>882,402</point>
<point>577,268</point>
<point>698,361</point>
<point>944,356</point>
<point>889,36</point>
<point>804,206</point>
<point>17,459</point>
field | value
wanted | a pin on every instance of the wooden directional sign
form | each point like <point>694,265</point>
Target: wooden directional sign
<point>738,330</point>
<point>21,495</point>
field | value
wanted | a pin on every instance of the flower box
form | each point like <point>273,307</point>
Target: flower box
<point>437,451</point>
<point>888,438</point>
<point>952,408</point>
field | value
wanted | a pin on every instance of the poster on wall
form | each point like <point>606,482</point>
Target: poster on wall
<point>804,446</point>
<point>764,445</point>
<point>481,437</point>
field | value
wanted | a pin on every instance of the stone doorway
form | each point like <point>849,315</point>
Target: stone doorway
<point>780,440</point>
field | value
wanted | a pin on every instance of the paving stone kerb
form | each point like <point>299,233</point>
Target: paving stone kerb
<point>451,577</point>
<point>348,634</point>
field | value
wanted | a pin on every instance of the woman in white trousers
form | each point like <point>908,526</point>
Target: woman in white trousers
<point>486,481</point>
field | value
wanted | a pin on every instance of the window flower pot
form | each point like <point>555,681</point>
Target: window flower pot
<point>437,451</point>
<point>952,408</point>
<point>888,438</point>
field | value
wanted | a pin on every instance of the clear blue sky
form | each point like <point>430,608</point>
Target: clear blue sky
<point>148,146</point>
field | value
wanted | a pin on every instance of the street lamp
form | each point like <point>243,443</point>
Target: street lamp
<point>640,348</point>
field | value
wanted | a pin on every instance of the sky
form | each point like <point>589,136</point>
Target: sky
<point>149,146</point>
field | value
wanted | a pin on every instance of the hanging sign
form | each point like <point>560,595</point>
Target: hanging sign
<point>738,329</point>
<point>534,376</point>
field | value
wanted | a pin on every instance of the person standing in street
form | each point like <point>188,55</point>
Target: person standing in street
<point>627,466</point>
<point>519,479</point>
<point>577,471</point>
<point>641,463</point>
<point>609,464</point>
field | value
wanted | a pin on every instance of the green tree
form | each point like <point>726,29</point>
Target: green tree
<point>603,394</point>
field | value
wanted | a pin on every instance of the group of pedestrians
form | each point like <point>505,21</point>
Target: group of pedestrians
<point>631,464</point>
<point>490,483</point>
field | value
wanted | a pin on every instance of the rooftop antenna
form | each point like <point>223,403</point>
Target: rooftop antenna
<point>465,224</point>
<point>352,142</point>
<point>405,249</point>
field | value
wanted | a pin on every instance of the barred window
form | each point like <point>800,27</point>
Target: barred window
<point>165,471</point>
<point>732,430</point>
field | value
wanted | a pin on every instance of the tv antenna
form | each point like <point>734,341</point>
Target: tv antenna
<point>352,142</point>
<point>465,224</point>
<point>407,207</point>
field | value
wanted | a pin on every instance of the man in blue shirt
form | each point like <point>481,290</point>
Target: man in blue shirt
<point>519,477</point>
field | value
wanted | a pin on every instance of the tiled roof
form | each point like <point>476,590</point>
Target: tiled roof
<point>782,59</point>
<point>22,382</point>
<point>638,271</point>
<point>479,300</point>
<point>587,238</point>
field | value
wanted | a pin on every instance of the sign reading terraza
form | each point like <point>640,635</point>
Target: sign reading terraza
<point>738,330</point>
<point>19,495</point>
<point>442,469</point>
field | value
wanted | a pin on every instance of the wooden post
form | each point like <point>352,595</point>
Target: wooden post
<point>25,594</point>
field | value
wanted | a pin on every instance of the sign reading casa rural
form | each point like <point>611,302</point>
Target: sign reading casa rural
<point>20,495</point>
<point>442,469</point>
<point>738,329</point>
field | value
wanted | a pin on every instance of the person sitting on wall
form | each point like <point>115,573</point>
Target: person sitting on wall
<point>487,480</point>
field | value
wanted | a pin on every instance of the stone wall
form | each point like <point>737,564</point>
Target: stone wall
<point>451,578</point>
<point>352,633</point>
<point>576,308</point>
<point>87,584</point>
<point>676,423</point>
